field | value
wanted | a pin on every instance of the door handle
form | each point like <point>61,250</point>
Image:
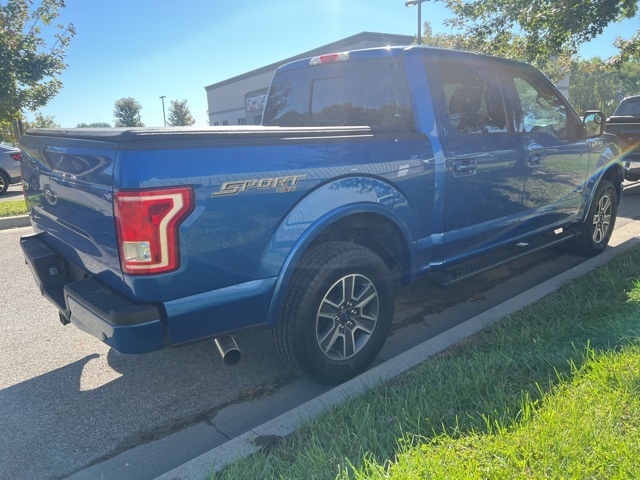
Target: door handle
<point>536,157</point>
<point>466,166</point>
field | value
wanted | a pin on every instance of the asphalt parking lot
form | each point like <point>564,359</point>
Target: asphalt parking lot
<point>69,406</point>
<point>14,192</point>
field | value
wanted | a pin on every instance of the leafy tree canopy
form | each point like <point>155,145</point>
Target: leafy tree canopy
<point>546,33</point>
<point>595,87</point>
<point>8,132</point>
<point>94,125</point>
<point>42,121</point>
<point>32,54</point>
<point>180,115</point>
<point>505,47</point>
<point>127,113</point>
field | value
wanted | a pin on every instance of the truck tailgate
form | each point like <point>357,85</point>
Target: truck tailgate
<point>69,195</point>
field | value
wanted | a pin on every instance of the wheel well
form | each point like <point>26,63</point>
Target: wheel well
<point>615,176</point>
<point>374,232</point>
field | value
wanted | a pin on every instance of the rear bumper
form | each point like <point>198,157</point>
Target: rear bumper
<point>89,304</point>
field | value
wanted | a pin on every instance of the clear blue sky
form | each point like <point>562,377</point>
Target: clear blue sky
<point>144,49</point>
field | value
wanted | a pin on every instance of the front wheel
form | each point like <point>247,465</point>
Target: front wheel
<point>598,225</point>
<point>4,183</point>
<point>337,313</point>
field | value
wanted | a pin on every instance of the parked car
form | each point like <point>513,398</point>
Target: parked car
<point>9,166</point>
<point>625,123</point>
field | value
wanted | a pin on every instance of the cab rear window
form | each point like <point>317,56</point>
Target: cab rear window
<point>629,107</point>
<point>372,92</point>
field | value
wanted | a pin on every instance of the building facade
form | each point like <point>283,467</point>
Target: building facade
<point>240,100</point>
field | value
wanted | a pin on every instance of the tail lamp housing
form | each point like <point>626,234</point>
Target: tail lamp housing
<point>147,224</point>
<point>330,58</point>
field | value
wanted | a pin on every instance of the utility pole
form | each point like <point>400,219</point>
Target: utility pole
<point>164,117</point>
<point>418,3</point>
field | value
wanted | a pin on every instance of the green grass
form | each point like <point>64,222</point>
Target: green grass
<point>11,208</point>
<point>551,391</point>
<point>586,427</point>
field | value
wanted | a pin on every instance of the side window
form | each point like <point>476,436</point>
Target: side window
<point>540,109</point>
<point>473,102</point>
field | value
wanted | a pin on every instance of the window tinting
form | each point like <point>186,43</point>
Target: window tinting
<point>353,93</point>
<point>472,98</point>
<point>629,107</point>
<point>540,109</point>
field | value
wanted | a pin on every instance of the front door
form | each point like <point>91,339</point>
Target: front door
<point>557,154</point>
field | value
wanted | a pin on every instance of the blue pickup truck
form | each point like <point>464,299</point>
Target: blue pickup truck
<point>370,168</point>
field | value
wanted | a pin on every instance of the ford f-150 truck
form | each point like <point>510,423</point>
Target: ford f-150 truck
<point>625,123</point>
<point>370,168</point>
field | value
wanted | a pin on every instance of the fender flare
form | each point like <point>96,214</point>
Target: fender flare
<point>295,233</point>
<point>608,161</point>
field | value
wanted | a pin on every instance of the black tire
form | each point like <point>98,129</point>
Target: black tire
<point>600,220</point>
<point>325,333</point>
<point>4,183</point>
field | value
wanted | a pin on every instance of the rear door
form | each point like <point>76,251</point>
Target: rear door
<point>485,160</point>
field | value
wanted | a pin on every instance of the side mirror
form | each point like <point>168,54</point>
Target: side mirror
<point>594,123</point>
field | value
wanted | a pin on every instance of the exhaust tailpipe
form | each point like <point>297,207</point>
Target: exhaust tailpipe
<point>228,349</point>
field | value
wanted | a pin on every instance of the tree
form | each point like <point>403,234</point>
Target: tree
<point>179,114</point>
<point>444,40</point>
<point>594,86</point>
<point>42,122</point>
<point>628,49</point>
<point>127,113</point>
<point>94,125</point>
<point>502,46</point>
<point>32,54</point>
<point>545,32</point>
<point>9,130</point>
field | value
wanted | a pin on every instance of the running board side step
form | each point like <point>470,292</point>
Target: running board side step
<point>500,257</point>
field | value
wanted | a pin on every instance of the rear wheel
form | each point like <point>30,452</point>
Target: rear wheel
<point>601,218</point>
<point>337,313</point>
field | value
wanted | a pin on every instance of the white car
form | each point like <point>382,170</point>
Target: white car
<point>9,166</point>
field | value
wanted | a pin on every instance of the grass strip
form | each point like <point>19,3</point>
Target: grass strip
<point>12,208</point>
<point>585,427</point>
<point>550,391</point>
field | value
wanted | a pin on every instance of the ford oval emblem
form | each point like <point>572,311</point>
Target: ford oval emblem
<point>50,194</point>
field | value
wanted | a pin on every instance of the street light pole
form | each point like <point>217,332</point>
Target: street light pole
<point>163,115</point>
<point>418,3</point>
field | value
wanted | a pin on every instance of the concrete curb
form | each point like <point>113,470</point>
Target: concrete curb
<point>248,443</point>
<point>14,222</point>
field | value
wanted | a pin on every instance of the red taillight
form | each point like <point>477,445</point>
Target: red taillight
<point>16,156</point>
<point>331,58</point>
<point>147,224</point>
